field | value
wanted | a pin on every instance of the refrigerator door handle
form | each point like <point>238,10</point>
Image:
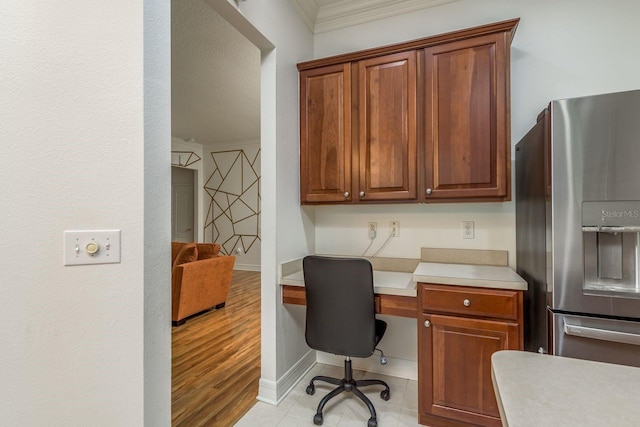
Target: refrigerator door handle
<point>601,334</point>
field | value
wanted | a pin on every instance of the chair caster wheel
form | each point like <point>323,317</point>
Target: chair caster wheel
<point>372,422</point>
<point>317,419</point>
<point>385,394</point>
<point>311,389</point>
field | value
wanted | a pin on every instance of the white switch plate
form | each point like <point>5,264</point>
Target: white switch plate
<point>79,243</point>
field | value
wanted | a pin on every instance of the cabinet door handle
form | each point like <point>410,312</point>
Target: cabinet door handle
<point>427,323</point>
<point>362,194</point>
<point>429,191</point>
<point>466,303</point>
<point>346,194</point>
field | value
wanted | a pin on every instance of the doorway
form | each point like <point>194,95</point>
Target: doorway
<point>183,206</point>
<point>227,163</point>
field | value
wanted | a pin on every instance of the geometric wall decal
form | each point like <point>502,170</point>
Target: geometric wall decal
<point>233,189</point>
<point>184,158</point>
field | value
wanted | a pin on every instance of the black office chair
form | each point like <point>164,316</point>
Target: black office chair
<point>341,320</point>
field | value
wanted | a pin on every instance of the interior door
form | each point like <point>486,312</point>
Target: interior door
<point>182,204</point>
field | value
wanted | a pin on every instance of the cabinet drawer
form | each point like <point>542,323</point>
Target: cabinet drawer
<point>481,302</point>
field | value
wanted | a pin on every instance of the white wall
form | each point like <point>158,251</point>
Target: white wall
<point>287,229</point>
<point>561,49</point>
<point>84,95</point>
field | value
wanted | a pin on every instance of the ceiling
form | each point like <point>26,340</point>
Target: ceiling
<point>215,71</point>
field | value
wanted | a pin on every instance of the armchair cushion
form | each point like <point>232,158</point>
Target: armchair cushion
<point>188,253</point>
<point>208,250</point>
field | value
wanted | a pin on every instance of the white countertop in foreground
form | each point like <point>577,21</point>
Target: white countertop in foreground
<point>541,390</point>
<point>486,276</point>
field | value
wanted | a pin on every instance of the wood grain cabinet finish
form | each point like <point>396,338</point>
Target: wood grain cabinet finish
<point>422,121</point>
<point>367,155</point>
<point>387,127</point>
<point>459,328</point>
<point>325,134</point>
<point>467,138</point>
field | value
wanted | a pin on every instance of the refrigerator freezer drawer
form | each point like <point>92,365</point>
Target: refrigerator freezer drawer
<point>601,334</point>
<point>591,338</point>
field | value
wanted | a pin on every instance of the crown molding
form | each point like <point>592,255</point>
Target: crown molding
<point>307,10</point>
<point>347,13</point>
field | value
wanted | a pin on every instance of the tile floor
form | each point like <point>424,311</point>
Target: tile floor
<point>298,408</point>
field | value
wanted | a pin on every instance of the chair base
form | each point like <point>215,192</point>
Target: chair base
<point>347,384</point>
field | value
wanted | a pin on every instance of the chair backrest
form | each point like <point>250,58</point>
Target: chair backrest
<point>340,305</point>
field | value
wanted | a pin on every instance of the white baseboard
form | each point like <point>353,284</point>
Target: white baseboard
<point>246,267</point>
<point>272,392</point>
<point>394,367</point>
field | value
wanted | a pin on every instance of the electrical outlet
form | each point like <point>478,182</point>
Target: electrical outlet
<point>468,230</point>
<point>373,229</point>
<point>394,228</point>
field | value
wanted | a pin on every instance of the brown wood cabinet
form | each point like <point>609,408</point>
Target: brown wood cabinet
<point>325,134</point>
<point>367,155</point>
<point>459,328</point>
<point>387,127</point>
<point>426,120</point>
<point>467,138</point>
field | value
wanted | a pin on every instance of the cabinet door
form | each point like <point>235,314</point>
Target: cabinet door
<point>455,368</point>
<point>387,127</point>
<point>467,142</point>
<point>325,134</point>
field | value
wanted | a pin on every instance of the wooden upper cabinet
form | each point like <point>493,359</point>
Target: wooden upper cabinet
<point>422,121</point>
<point>467,139</point>
<point>325,134</point>
<point>387,127</point>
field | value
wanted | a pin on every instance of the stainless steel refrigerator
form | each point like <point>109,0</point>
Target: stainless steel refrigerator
<point>578,228</point>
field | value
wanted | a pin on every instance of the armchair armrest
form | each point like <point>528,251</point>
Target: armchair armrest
<point>200,285</point>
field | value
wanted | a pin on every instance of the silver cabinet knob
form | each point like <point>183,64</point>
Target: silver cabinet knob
<point>466,303</point>
<point>427,323</point>
<point>346,194</point>
<point>362,194</point>
<point>429,191</point>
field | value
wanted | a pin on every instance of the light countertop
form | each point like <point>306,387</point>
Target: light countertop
<point>384,282</point>
<point>484,276</point>
<point>404,283</point>
<point>541,390</point>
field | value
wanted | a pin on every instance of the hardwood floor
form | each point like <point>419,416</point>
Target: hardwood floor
<point>216,359</point>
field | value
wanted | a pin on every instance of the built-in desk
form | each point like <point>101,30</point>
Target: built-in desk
<point>467,303</point>
<point>395,292</point>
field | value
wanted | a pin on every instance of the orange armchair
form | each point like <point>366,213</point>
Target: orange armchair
<point>200,279</point>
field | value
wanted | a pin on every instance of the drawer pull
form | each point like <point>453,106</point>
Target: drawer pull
<point>346,194</point>
<point>427,323</point>
<point>466,303</point>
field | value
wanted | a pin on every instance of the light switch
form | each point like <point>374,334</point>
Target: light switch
<point>83,247</point>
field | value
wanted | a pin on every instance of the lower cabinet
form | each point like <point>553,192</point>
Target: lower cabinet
<point>459,329</point>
